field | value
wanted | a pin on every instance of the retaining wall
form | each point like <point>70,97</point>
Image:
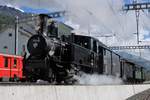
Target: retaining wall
<point>48,92</point>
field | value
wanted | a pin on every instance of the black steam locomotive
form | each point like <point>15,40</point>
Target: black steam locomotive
<point>58,57</point>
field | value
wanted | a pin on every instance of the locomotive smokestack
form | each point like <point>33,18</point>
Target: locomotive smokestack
<point>41,23</point>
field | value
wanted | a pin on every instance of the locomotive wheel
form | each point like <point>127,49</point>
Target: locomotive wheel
<point>51,76</point>
<point>61,74</point>
<point>65,75</point>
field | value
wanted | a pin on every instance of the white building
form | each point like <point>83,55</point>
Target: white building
<point>25,31</point>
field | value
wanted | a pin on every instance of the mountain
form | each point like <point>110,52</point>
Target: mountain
<point>9,11</point>
<point>8,15</point>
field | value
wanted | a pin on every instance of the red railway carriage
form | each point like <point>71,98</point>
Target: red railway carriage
<point>11,66</point>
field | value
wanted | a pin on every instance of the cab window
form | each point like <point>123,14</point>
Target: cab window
<point>82,41</point>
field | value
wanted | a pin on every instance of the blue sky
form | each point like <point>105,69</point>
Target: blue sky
<point>39,11</point>
<point>32,10</point>
<point>146,36</point>
<point>130,1</point>
<point>127,1</point>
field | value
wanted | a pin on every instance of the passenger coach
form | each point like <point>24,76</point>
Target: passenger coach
<point>11,67</point>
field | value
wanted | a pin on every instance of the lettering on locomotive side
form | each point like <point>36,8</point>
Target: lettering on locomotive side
<point>35,45</point>
<point>36,40</point>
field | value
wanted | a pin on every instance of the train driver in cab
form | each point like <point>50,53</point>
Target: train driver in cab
<point>52,29</point>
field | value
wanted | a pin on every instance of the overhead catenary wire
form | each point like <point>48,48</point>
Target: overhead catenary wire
<point>115,14</point>
<point>98,20</point>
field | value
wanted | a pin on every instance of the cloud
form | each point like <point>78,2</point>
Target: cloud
<point>100,17</point>
<point>106,14</point>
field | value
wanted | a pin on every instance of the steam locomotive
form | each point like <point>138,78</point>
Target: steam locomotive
<point>58,57</point>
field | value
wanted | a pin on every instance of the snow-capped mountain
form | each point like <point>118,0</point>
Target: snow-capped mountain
<point>11,11</point>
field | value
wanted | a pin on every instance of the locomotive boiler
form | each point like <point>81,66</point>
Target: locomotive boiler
<point>47,59</point>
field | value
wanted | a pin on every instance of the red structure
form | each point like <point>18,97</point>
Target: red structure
<point>11,67</point>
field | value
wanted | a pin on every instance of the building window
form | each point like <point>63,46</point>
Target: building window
<point>10,34</point>
<point>6,62</point>
<point>5,47</point>
<point>15,63</point>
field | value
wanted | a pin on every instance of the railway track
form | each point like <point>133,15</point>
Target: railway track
<point>145,95</point>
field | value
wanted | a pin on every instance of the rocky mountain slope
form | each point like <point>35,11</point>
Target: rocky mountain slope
<point>8,15</point>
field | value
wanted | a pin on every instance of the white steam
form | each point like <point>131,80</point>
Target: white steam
<point>97,17</point>
<point>95,79</point>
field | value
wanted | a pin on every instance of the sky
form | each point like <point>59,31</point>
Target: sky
<point>33,10</point>
<point>27,8</point>
<point>42,10</point>
<point>99,17</point>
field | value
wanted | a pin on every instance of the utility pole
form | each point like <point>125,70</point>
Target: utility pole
<point>137,7</point>
<point>89,21</point>
<point>16,35</point>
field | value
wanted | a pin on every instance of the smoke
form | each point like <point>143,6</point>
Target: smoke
<point>95,79</point>
<point>99,17</point>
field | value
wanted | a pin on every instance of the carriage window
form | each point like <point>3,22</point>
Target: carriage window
<point>100,50</point>
<point>6,62</point>
<point>94,46</point>
<point>15,63</point>
<point>104,52</point>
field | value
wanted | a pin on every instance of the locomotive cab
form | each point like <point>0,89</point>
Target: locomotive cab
<point>91,54</point>
<point>46,26</point>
